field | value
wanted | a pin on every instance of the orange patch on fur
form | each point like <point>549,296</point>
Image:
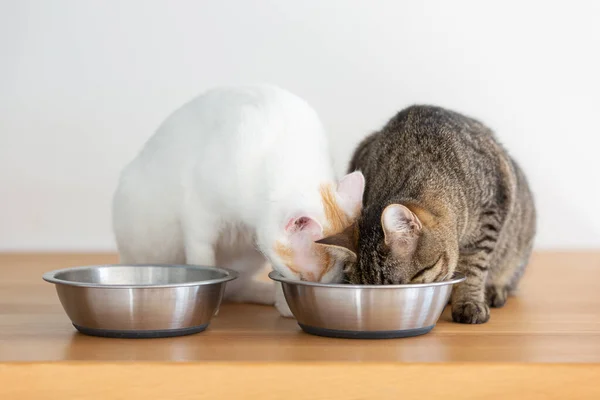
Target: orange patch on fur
<point>325,261</point>
<point>337,220</point>
<point>424,216</point>
<point>287,256</point>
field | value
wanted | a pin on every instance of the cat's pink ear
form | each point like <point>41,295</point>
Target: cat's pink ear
<point>350,190</point>
<point>400,226</point>
<point>306,225</point>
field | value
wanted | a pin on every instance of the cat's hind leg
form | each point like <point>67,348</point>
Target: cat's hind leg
<point>250,287</point>
<point>496,296</point>
<point>505,274</point>
<point>498,278</point>
<point>235,250</point>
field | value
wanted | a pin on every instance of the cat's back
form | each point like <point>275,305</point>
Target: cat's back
<point>430,127</point>
<point>424,146</point>
<point>231,125</point>
<point>428,134</point>
<point>242,142</point>
<point>229,117</point>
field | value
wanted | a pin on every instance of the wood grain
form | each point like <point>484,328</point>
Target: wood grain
<point>554,318</point>
<point>544,344</point>
<point>289,381</point>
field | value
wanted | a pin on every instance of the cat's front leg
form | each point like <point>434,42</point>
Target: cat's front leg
<point>469,303</point>
<point>468,298</point>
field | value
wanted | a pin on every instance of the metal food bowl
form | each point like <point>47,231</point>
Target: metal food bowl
<point>366,311</point>
<point>140,301</point>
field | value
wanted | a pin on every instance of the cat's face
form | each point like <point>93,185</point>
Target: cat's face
<point>298,254</point>
<point>400,248</point>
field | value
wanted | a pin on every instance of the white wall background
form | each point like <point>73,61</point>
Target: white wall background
<point>84,83</point>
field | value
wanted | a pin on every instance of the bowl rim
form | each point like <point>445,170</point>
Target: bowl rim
<point>456,278</point>
<point>229,275</point>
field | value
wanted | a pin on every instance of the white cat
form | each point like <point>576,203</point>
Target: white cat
<point>236,175</point>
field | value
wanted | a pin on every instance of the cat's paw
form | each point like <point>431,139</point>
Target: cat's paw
<point>496,296</point>
<point>470,312</point>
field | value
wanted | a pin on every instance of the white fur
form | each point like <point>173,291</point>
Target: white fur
<point>222,180</point>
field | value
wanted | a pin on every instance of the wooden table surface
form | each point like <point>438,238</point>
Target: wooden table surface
<point>554,320</point>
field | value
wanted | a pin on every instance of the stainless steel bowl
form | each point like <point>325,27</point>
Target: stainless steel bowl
<point>366,311</point>
<point>140,301</point>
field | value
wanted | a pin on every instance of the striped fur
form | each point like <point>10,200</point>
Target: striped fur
<point>460,203</point>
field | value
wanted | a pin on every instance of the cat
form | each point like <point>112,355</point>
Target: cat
<point>238,177</point>
<point>442,195</point>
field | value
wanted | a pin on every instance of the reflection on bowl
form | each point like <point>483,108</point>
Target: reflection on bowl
<point>140,301</point>
<point>366,311</point>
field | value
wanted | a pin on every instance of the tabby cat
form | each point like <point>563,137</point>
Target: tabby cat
<point>441,195</point>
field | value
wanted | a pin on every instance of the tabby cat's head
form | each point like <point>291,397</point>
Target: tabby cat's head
<point>399,247</point>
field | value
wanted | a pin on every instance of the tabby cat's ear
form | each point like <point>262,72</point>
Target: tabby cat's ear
<point>343,245</point>
<point>401,227</point>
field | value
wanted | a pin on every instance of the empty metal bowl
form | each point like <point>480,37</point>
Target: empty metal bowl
<point>140,301</point>
<point>366,311</point>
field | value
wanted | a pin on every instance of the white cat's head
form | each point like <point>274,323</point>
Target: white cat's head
<point>299,253</point>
